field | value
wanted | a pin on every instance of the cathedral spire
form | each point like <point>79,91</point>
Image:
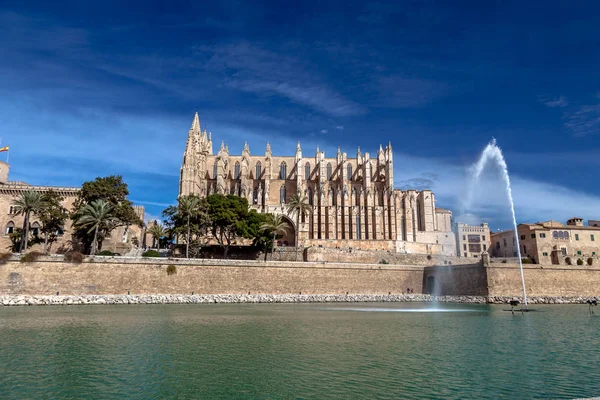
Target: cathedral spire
<point>268,150</point>
<point>196,123</point>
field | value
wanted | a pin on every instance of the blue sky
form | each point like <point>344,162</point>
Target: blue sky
<point>95,88</point>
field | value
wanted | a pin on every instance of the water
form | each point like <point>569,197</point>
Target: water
<point>304,351</point>
<point>493,153</point>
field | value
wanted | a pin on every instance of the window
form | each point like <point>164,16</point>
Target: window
<point>419,217</point>
<point>484,247</point>
<point>255,196</point>
<point>310,197</point>
<point>474,239</point>
<point>524,249</point>
<point>497,245</point>
<point>563,250</point>
<point>215,170</point>
<point>561,235</point>
<point>258,170</point>
<point>464,246</point>
<point>464,237</point>
<point>566,235</point>
<point>483,238</point>
<point>533,235</point>
<point>578,252</point>
<point>545,254</point>
<point>307,171</point>
<point>10,228</point>
<point>35,229</point>
<point>329,172</point>
<point>283,170</point>
<point>522,237</point>
<point>349,170</point>
<point>593,253</point>
<point>555,235</point>
<point>12,210</point>
<point>542,235</point>
<point>282,195</point>
<point>592,238</point>
<point>504,242</point>
<point>465,254</point>
<point>236,171</point>
<point>576,236</point>
<point>474,248</point>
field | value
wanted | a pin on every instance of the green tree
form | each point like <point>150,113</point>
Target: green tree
<point>298,206</point>
<point>187,219</point>
<point>276,226</point>
<point>53,216</point>
<point>157,230</point>
<point>30,202</point>
<point>228,217</point>
<point>113,191</point>
<point>95,217</point>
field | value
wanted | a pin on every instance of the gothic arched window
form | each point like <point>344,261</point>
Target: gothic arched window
<point>307,171</point>
<point>349,169</point>
<point>236,170</point>
<point>215,169</point>
<point>35,229</point>
<point>561,235</point>
<point>328,171</point>
<point>356,196</point>
<point>283,170</point>
<point>10,228</point>
<point>258,170</point>
<point>567,235</point>
<point>419,216</point>
<point>282,194</point>
<point>554,235</point>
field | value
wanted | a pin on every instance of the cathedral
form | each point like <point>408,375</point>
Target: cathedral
<point>354,202</point>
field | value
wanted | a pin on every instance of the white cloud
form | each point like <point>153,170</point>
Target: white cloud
<point>553,102</point>
<point>324,131</point>
<point>340,127</point>
<point>584,120</point>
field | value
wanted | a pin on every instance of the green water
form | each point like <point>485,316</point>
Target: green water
<point>308,351</point>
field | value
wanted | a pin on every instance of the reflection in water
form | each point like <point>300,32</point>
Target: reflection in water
<point>298,351</point>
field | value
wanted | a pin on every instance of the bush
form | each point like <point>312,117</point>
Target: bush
<point>4,257</point>
<point>74,257</point>
<point>383,261</point>
<point>31,257</point>
<point>171,270</point>
<point>579,261</point>
<point>590,261</point>
<point>503,261</point>
<point>526,261</point>
<point>106,253</point>
<point>151,253</point>
<point>568,261</point>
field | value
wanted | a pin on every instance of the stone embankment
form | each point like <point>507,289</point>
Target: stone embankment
<point>19,300</point>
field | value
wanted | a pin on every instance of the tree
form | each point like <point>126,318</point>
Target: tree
<point>95,217</point>
<point>53,216</point>
<point>228,219</point>
<point>113,191</point>
<point>188,218</point>
<point>276,226</point>
<point>299,206</point>
<point>157,230</point>
<point>30,202</point>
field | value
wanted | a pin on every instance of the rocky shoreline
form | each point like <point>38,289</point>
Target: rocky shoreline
<point>26,300</point>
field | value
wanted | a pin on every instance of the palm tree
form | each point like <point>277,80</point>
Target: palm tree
<point>157,231</point>
<point>189,206</point>
<point>29,202</point>
<point>298,205</point>
<point>95,216</point>
<point>275,224</point>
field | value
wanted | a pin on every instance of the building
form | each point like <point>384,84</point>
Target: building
<point>121,240</point>
<point>471,240</point>
<point>354,201</point>
<point>552,242</point>
<point>504,244</point>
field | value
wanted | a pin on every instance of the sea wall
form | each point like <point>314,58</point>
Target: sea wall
<point>459,280</point>
<point>104,275</point>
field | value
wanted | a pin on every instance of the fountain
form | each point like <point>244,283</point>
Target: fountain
<point>493,153</point>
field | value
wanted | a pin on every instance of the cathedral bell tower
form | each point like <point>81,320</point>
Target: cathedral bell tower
<point>192,178</point>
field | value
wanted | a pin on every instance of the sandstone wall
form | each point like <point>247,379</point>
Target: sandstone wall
<point>358,255</point>
<point>463,280</point>
<point>545,280</point>
<point>138,276</point>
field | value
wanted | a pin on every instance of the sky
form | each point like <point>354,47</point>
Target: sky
<point>94,88</point>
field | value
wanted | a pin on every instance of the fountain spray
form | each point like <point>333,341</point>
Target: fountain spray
<point>493,153</point>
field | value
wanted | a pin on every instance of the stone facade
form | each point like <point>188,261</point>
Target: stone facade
<point>551,242</point>
<point>471,240</point>
<point>504,244</point>
<point>120,240</point>
<point>353,199</point>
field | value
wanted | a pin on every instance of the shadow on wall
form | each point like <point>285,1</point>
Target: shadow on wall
<point>458,280</point>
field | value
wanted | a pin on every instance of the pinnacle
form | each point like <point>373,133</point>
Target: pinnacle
<point>196,123</point>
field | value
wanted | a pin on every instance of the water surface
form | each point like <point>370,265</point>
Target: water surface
<point>298,351</point>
